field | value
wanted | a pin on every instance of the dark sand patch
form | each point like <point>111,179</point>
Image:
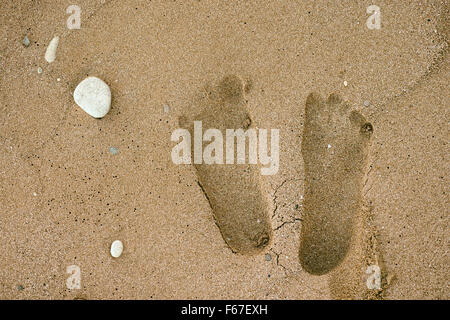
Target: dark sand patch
<point>233,190</point>
<point>334,150</point>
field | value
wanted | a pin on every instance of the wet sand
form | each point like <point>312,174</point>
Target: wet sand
<point>65,198</point>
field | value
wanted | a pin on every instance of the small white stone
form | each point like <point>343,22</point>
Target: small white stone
<point>59,79</point>
<point>329,146</point>
<point>39,70</point>
<point>166,109</point>
<point>345,83</point>
<point>35,194</point>
<point>50,53</point>
<point>116,248</point>
<point>93,96</point>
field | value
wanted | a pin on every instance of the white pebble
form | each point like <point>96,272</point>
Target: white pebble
<point>345,83</point>
<point>366,103</point>
<point>329,146</point>
<point>39,70</point>
<point>93,96</point>
<point>50,53</point>
<point>116,248</point>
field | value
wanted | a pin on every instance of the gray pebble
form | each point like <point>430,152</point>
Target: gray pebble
<point>268,257</point>
<point>366,103</point>
<point>20,287</point>
<point>113,150</point>
<point>26,41</point>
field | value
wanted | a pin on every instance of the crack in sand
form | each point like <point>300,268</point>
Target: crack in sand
<point>287,222</point>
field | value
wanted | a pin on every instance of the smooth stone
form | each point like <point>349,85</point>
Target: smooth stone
<point>113,150</point>
<point>93,96</point>
<point>116,248</point>
<point>50,53</point>
<point>26,41</point>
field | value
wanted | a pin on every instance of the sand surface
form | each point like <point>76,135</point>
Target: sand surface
<point>64,197</point>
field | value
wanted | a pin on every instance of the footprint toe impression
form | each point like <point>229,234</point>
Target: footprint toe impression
<point>334,148</point>
<point>233,190</point>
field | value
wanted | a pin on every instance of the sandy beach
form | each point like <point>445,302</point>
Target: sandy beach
<point>357,207</point>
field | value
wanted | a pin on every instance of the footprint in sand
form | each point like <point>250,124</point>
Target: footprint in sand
<point>233,190</point>
<point>334,148</point>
